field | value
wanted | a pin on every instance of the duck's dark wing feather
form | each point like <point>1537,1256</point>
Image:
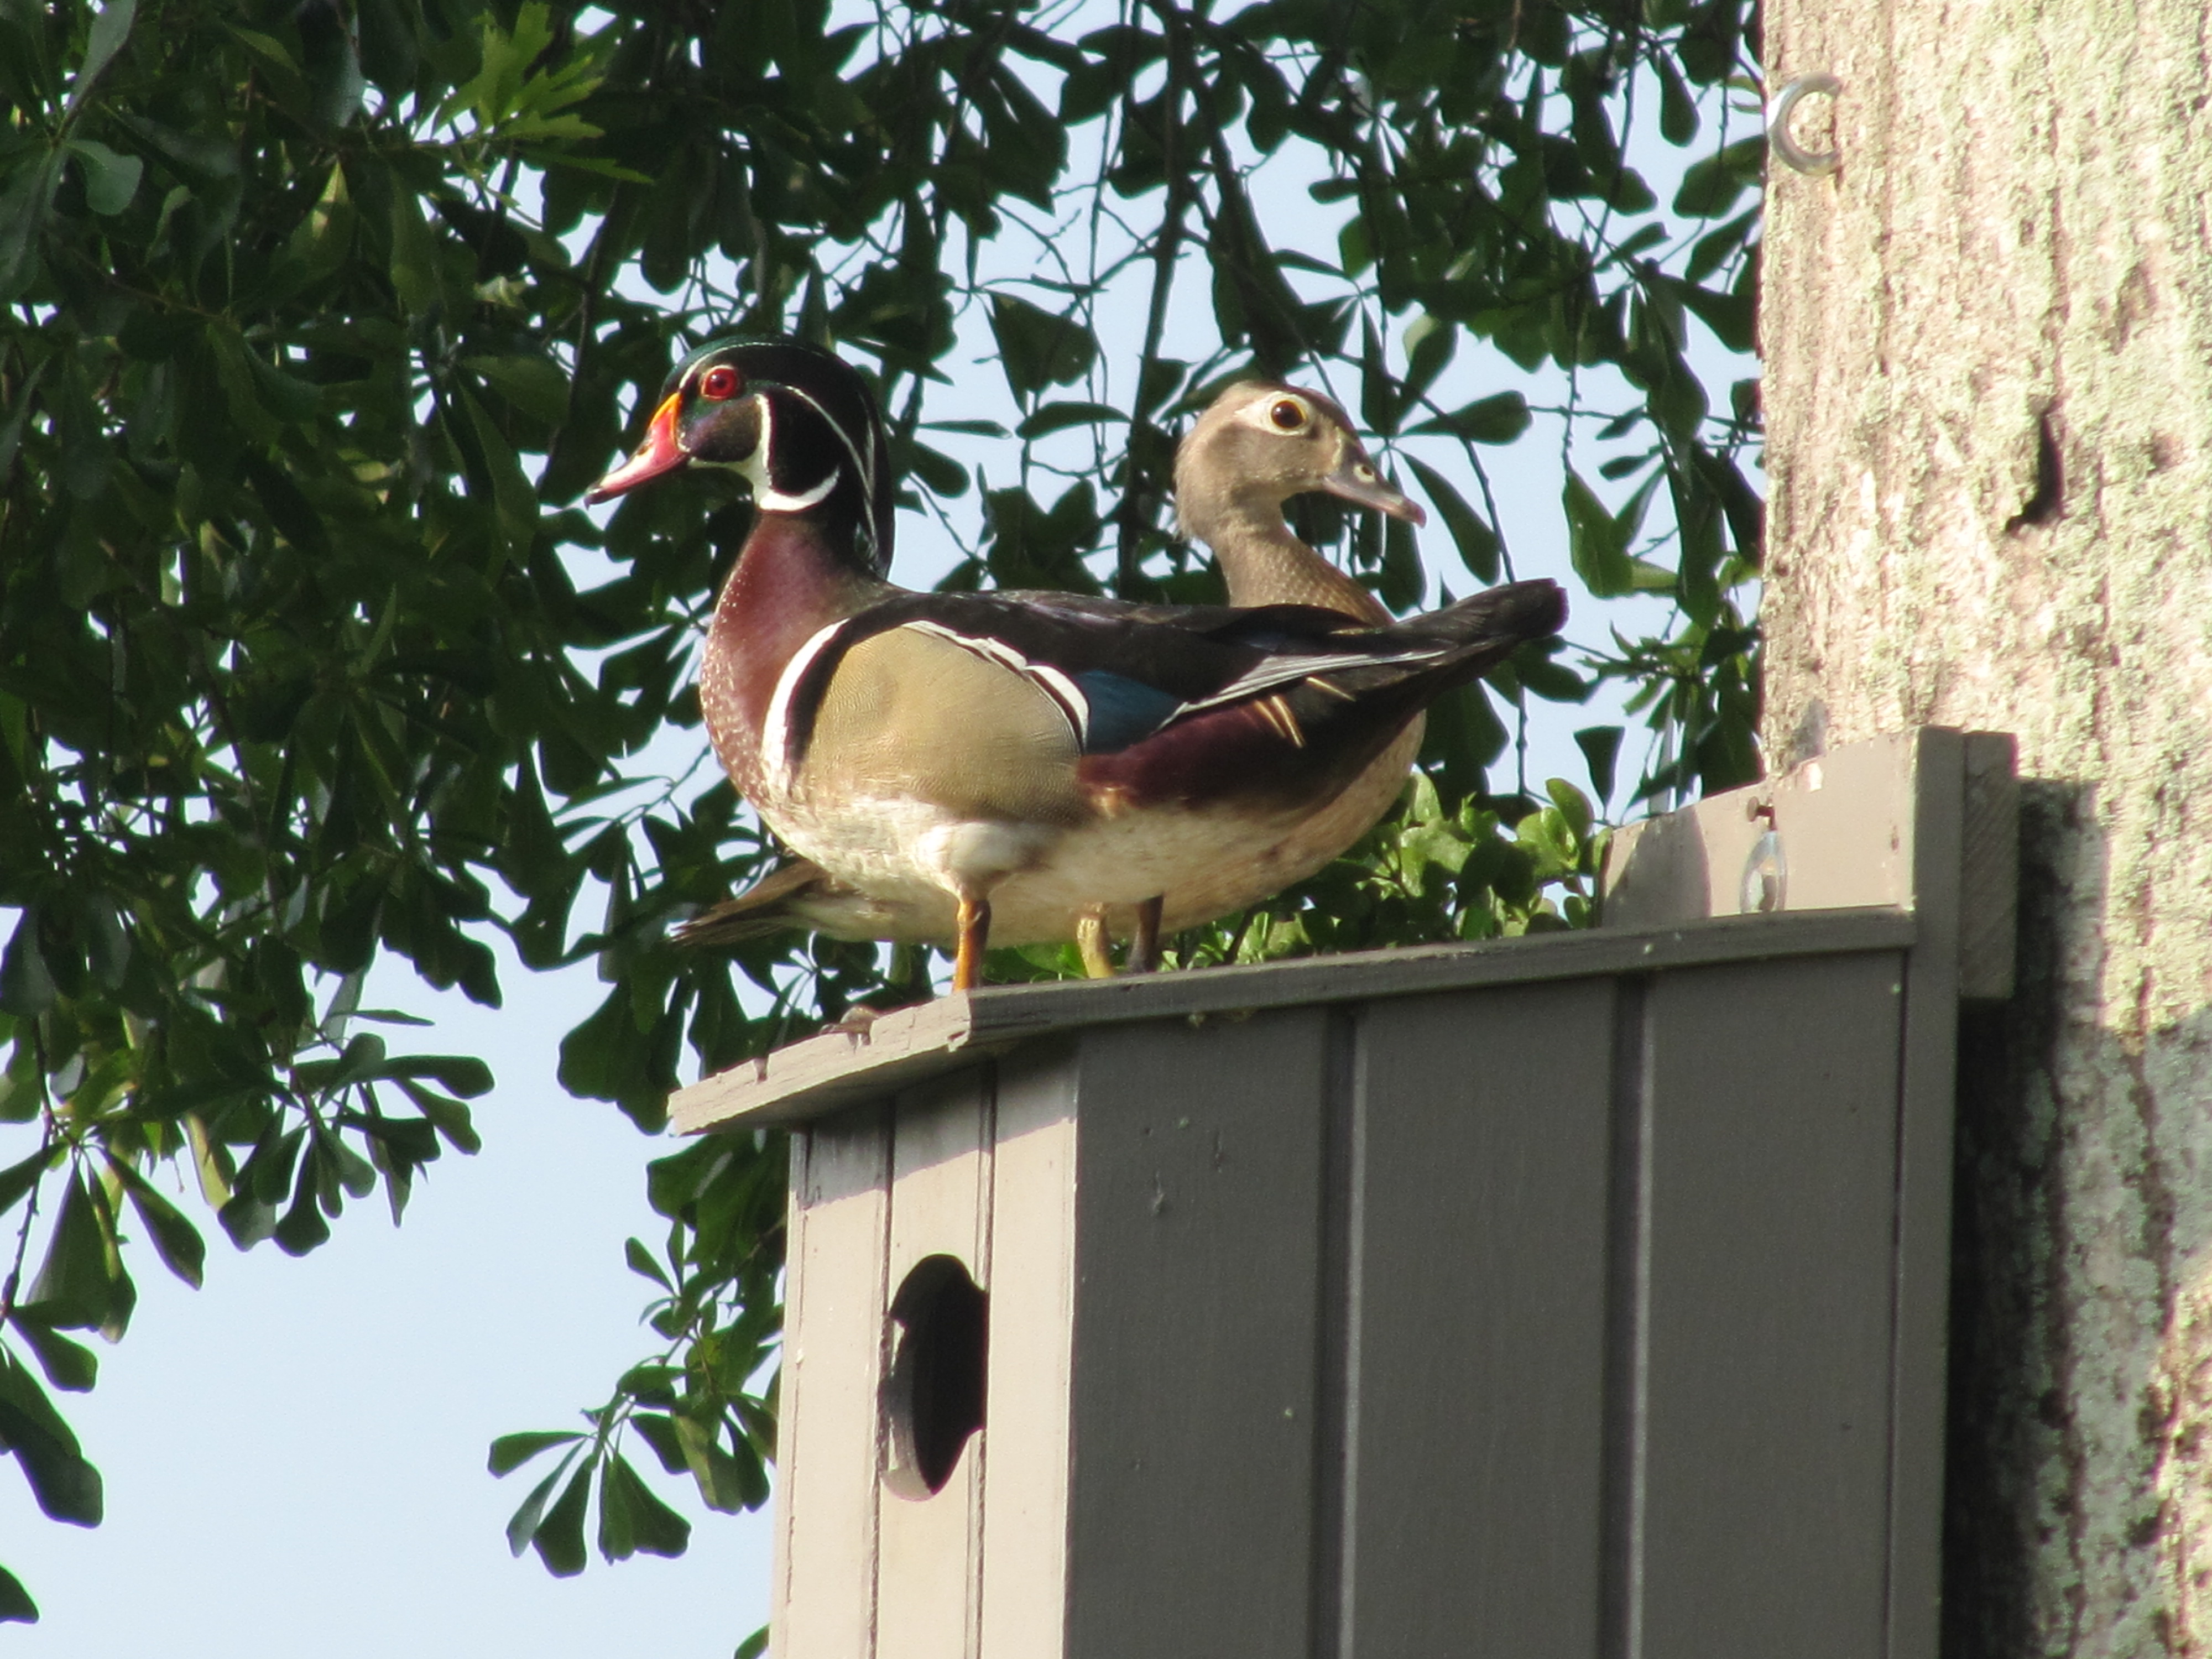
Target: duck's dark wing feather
<point>1124,673</point>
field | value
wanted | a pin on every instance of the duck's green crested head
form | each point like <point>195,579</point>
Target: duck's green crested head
<point>799,424</point>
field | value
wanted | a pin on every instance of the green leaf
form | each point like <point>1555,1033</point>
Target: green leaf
<point>1678,112</point>
<point>1037,349</point>
<point>24,205</point>
<point>414,254</point>
<point>1600,747</point>
<point>1379,397</point>
<point>1404,583</point>
<point>1597,545</point>
<point>1732,317</point>
<point>658,1431</point>
<point>110,29</point>
<point>1058,417</point>
<point>531,384</point>
<point>559,1538</point>
<point>176,1241</point>
<point>641,1261</point>
<point>67,1488</point>
<point>109,179</point>
<point>68,1365</point>
<point>512,494</point>
<point>1711,185</point>
<point>465,1074</point>
<point>939,473</point>
<point>523,1525</point>
<point>16,1607</point>
<point>75,1288</point>
<point>304,1227</point>
<point>632,1519</point>
<point>1574,806</point>
<point>1476,542</point>
<point>26,988</point>
<point>1500,418</point>
<point>650,1381</point>
<point>753,1646</point>
<point>449,1117</point>
<point>725,1484</point>
<point>1552,681</point>
<point>511,1451</point>
<point>1716,247</point>
<point>18,1179</point>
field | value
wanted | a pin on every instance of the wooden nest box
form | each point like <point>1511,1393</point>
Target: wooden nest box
<point>1576,1295</point>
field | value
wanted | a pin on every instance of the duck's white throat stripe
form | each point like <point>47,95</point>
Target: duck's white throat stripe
<point>773,500</point>
<point>775,730</point>
<point>759,471</point>
<point>862,461</point>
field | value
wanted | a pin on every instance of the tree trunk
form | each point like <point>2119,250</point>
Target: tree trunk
<point>1989,399</point>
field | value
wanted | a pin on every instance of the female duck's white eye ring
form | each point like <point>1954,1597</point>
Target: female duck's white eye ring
<point>719,383</point>
<point>1288,415</point>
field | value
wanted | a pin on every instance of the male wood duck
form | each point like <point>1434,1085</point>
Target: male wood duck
<point>998,766</point>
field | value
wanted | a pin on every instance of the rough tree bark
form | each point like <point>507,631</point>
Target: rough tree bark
<point>1989,400</point>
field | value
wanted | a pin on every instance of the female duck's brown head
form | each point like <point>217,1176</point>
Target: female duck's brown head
<point>1261,442</point>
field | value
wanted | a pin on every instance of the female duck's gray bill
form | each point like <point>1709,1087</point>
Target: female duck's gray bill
<point>1357,480</point>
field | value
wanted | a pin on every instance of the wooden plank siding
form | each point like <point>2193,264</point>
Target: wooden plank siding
<point>1476,1438</point>
<point>833,1346</point>
<point>929,1548</point>
<point>1198,1198</point>
<point>1765,1433</point>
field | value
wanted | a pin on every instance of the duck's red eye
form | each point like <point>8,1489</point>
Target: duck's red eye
<point>1287,415</point>
<point>719,382</point>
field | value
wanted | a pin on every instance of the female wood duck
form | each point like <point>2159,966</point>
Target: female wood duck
<point>996,765</point>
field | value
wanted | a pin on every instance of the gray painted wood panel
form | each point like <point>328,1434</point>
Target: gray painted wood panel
<point>832,1364</point>
<point>1197,1203</point>
<point>1026,1441</point>
<point>1975,827</point>
<point>829,1073</point>
<point>929,1548</point>
<point>1763,1496</point>
<point>1481,1153</point>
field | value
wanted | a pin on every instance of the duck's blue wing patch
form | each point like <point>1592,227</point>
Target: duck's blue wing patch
<point>1123,711</point>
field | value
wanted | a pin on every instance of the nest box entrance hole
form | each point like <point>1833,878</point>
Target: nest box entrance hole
<point>932,1397</point>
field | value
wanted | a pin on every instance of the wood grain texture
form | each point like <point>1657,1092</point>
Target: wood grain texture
<point>1479,1248</point>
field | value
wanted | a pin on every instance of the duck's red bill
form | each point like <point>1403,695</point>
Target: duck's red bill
<point>659,454</point>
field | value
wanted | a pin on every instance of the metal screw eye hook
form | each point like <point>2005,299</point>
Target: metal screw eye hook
<point>1817,164</point>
